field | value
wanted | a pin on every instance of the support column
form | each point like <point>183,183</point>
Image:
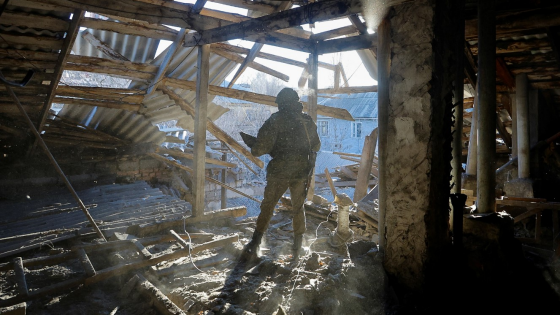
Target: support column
<point>469,179</point>
<point>486,169</point>
<point>383,103</point>
<point>417,148</point>
<point>523,147</point>
<point>200,128</point>
<point>514,147</point>
<point>312,106</point>
<point>458,88</point>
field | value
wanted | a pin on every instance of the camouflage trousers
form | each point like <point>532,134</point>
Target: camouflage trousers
<point>274,189</point>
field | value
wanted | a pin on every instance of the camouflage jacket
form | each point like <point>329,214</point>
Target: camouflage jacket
<point>291,139</point>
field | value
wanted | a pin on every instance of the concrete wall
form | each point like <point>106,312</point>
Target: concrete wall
<point>418,139</point>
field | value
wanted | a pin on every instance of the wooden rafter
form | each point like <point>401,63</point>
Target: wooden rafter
<point>71,34</point>
<point>255,65</point>
<point>345,30</point>
<point>171,50</point>
<point>510,24</point>
<point>180,15</point>
<point>254,50</point>
<point>254,97</point>
<point>197,7</point>
<point>345,44</point>
<point>250,57</point>
<point>212,128</point>
<point>313,12</point>
<point>102,46</point>
<point>504,74</point>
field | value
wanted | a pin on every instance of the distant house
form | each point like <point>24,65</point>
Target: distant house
<point>347,136</point>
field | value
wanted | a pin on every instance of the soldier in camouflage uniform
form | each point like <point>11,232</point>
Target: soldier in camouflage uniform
<point>290,137</point>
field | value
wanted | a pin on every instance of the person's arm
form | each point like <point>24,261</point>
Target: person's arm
<point>265,139</point>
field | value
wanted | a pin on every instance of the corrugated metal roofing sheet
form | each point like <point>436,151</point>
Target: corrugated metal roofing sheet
<point>158,107</point>
<point>360,105</point>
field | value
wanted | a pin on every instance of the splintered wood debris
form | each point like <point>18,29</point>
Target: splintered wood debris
<point>200,272</point>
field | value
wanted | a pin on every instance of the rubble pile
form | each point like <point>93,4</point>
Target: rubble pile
<point>155,274</point>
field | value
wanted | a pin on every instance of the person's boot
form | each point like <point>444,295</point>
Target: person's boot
<point>252,248</point>
<point>297,247</point>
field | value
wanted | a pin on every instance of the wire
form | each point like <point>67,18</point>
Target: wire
<point>190,243</point>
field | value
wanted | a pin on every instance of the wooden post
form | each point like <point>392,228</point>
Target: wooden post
<point>366,162</point>
<point>200,127</point>
<point>223,192</point>
<point>486,169</point>
<point>383,68</point>
<point>312,107</point>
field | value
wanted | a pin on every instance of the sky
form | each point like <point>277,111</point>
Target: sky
<point>355,71</point>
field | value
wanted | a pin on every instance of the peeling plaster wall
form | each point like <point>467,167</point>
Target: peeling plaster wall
<point>419,148</point>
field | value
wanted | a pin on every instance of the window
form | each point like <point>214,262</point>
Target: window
<point>356,129</point>
<point>323,128</point>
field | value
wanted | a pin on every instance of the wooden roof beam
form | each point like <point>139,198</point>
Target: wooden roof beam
<point>254,50</point>
<point>102,46</point>
<point>254,97</point>
<point>345,44</point>
<point>249,5</point>
<point>255,65</point>
<point>69,40</point>
<point>179,14</point>
<point>508,24</point>
<point>171,50</point>
<point>313,12</point>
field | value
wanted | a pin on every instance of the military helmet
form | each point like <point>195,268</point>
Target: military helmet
<point>287,96</point>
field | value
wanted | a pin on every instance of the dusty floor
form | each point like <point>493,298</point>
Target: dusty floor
<point>326,281</point>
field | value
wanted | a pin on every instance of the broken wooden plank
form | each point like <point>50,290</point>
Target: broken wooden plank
<point>161,302</point>
<point>147,229</point>
<point>330,181</point>
<point>18,309</point>
<point>213,128</point>
<point>210,179</point>
<point>177,153</point>
<point>143,250</point>
<point>366,218</point>
<point>366,162</point>
<point>20,277</point>
<point>102,46</point>
<point>86,263</point>
<point>123,268</point>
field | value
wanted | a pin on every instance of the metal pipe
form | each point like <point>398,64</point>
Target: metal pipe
<point>54,163</point>
<point>458,91</point>
<point>486,171</point>
<point>521,85</point>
